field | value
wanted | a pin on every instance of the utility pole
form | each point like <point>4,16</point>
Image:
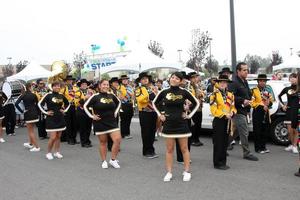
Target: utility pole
<point>232,30</point>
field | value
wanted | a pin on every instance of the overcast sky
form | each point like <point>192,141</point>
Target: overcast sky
<point>49,30</point>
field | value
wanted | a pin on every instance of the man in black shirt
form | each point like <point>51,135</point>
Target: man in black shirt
<point>243,96</point>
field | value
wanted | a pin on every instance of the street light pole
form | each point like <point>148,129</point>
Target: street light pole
<point>210,39</point>
<point>9,60</point>
<point>232,30</point>
<point>291,51</point>
<point>179,55</point>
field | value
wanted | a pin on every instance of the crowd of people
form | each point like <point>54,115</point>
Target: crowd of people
<point>170,108</point>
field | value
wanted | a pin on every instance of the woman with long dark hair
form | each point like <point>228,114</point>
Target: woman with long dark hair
<point>31,115</point>
<point>175,123</point>
<point>291,113</point>
<point>57,105</point>
<point>103,108</point>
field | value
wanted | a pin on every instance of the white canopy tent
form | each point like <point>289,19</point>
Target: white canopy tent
<point>32,71</point>
<point>292,62</point>
<point>139,61</point>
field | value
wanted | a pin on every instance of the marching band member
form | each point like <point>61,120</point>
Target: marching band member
<point>105,107</point>
<point>126,114</point>
<point>291,113</point>
<point>57,104</point>
<point>144,95</point>
<point>10,117</point>
<point>3,101</point>
<point>197,117</point>
<point>222,108</point>
<point>261,102</point>
<point>40,90</point>
<point>69,91</point>
<point>84,121</point>
<point>31,115</point>
<point>175,122</point>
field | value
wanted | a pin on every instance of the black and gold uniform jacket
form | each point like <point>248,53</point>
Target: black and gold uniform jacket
<point>222,103</point>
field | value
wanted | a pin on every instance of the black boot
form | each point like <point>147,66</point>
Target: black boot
<point>298,173</point>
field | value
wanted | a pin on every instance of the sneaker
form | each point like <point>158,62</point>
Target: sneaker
<point>267,151</point>
<point>151,156</point>
<point>181,162</point>
<point>289,148</point>
<point>49,156</point>
<point>115,164</point>
<point>197,144</point>
<point>298,173</point>
<point>222,167</point>
<point>261,151</point>
<point>251,157</point>
<point>104,165</point>
<point>233,142</point>
<point>128,137</point>
<point>295,150</point>
<point>58,155</point>
<point>168,177</point>
<point>35,149</point>
<point>28,145</point>
<point>2,140</point>
<point>186,176</point>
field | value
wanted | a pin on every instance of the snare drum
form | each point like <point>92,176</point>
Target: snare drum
<point>13,89</point>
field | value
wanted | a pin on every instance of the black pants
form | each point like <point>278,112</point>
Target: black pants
<point>10,118</point>
<point>260,128</point>
<point>196,129</point>
<point>148,129</point>
<point>220,141</point>
<point>84,126</point>
<point>178,150</point>
<point>71,132</point>
<point>126,117</point>
<point>42,126</point>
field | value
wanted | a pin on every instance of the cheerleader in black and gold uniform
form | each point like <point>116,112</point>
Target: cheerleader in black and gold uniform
<point>31,115</point>
<point>175,121</point>
<point>105,107</point>
<point>291,117</point>
<point>57,105</point>
<point>222,108</point>
<point>3,100</point>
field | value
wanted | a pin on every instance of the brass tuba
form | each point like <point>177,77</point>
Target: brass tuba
<point>59,71</point>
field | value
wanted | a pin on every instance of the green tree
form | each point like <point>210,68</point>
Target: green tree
<point>255,62</point>
<point>276,59</point>
<point>198,49</point>
<point>7,70</point>
<point>79,60</point>
<point>211,65</point>
<point>21,65</point>
<point>105,76</point>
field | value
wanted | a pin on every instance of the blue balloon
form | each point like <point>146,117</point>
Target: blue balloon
<point>119,41</point>
<point>122,43</point>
